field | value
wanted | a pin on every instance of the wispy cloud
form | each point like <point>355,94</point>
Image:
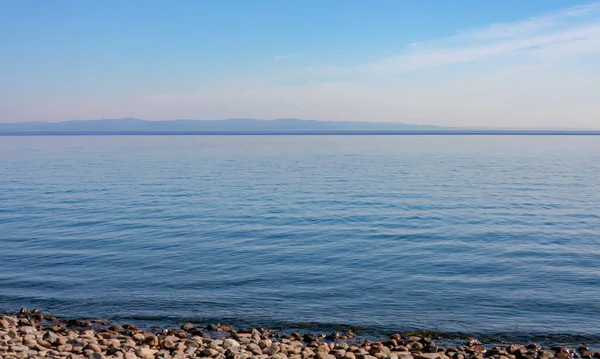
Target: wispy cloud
<point>540,40</point>
<point>570,31</point>
<point>535,24</point>
<point>280,57</point>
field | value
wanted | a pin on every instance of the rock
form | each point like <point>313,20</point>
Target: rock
<point>265,343</point>
<point>392,343</point>
<point>437,355</point>
<point>513,348</point>
<point>324,355</point>
<point>380,349</point>
<point>138,337</point>
<point>169,343</point>
<point>414,346</point>
<point>18,348</point>
<point>44,343</point>
<point>50,337</point>
<point>254,349</point>
<point>270,350</point>
<point>93,347</point>
<point>78,323</point>
<point>65,348</point>
<point>146,353</point>
<point>496,351</point>
<point>116,328</point>
<point>473,342</point>
<point>31,344</point>
<point>341,345</point>
<point>162,355</point>
<point>151,340</point>
<point>481,349</point>
<point>212,327</point>
<point>192,344</point>
<point>21,337</point>
<point>28,330</point>
<point>309,337</point>
<point>209,352</point>
<point>231,344</point>
<point>323,348</point>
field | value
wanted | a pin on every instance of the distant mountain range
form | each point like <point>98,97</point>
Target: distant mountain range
<point>236,125</point>
<point>134,125</point>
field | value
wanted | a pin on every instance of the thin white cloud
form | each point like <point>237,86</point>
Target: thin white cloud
<point>556,36</point>
<point>280,57</point>
<point>578,25</point>
<point>534,24</point>
<point>435,57</point>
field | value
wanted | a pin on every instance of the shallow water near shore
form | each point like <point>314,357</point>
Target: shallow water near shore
<point>477,234</point>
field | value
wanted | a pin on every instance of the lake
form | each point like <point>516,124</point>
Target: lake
<point>478,234</point>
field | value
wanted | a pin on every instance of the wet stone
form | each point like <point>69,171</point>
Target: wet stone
<point>116,328</point>
<point>22,337</point>
<point>212,327</point>
<point>414,346</point>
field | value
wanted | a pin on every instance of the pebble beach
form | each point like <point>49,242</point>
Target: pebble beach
<point>32,334</point>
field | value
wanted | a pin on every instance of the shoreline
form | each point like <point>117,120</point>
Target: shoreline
<point>32,334</point>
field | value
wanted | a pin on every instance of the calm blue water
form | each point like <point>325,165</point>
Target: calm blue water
<point>482,234</point>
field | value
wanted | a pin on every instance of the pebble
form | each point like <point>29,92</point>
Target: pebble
<point>29,335</point>
<point>231,344</point>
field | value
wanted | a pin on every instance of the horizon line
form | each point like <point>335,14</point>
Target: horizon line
<point>441,127</point>
<point>305,133</point>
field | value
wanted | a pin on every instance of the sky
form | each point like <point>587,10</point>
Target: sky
<point>532,63</point>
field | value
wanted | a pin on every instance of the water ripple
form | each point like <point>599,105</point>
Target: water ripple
<point>493,234</point>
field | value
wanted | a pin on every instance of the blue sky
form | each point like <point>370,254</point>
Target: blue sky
<point>482,63</point>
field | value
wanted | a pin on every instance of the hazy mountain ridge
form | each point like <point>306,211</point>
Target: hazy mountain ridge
<point>234,125</point>
<point>134,124</point>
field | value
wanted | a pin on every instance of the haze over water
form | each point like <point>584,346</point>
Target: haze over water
<point>453,233</point>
